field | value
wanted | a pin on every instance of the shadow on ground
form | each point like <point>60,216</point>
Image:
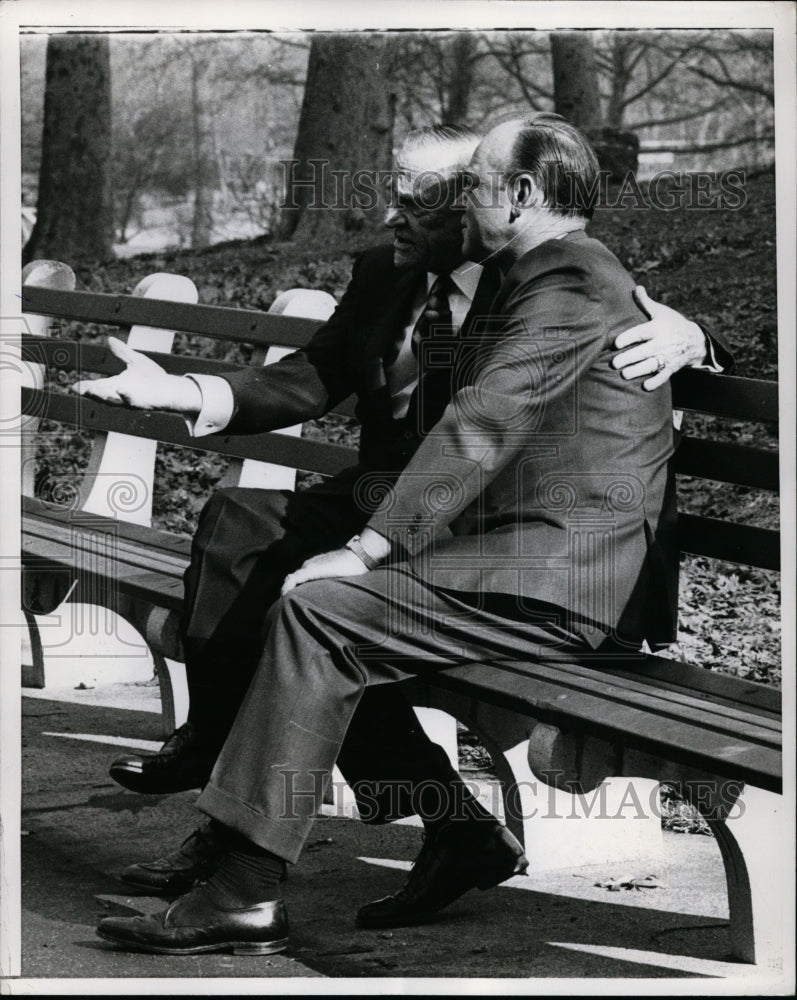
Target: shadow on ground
<point>81,829</point>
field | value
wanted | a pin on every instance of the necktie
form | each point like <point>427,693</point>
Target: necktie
<point>435,319</point>
<point>433,346</point>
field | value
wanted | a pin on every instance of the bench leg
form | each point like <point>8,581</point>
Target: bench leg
<point>168,718</point>
<point>618,821</point>
<point>610,820</point>
<point>33,671</point>
<point>757,867</point>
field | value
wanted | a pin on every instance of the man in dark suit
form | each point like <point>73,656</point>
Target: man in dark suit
<point>533,521</point>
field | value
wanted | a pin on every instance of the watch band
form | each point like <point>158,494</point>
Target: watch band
<point>355,545</point>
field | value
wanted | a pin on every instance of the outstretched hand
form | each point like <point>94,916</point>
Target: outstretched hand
<point>143,385</point>
<point>660,347</point>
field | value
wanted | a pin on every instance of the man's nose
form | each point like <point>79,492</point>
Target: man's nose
<point>394,216</point>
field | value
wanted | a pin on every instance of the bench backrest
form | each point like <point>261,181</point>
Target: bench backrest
<point>701,392</point>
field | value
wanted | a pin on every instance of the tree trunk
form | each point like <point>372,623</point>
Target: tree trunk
<point>575,79</point>
<point>577,98</point>
<point>344,140</point>
<point>202,219</point>
<point>620,76</point>
<point>460,82</point>
<point>74,215</point>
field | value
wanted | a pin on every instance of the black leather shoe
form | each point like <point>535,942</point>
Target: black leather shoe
<point>195,923</point>
<point>195,861</point>
<point>452,861</point>
<point>184,761</point>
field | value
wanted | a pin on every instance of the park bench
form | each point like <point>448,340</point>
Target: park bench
<point>717,737</point>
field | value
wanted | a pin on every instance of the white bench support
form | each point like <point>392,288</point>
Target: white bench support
<point>43,274</point>
<point>309,304</point>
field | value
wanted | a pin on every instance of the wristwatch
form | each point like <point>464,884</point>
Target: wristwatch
<point>356,546</point>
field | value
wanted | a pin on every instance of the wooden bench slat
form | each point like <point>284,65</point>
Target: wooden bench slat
<point>704,714</point>
<point>726,395</point>
<point>107,576</point>
<point>218,322</point>
<point>740,543</point>
<point>594,712</point>
<point>676,683</point>
<point>75,355</point>
<point>707,683</point>
<point>684,701</point>
<point>35,510</point>
<point>281,449</point>
<point>727,463</point>
<point>84,541</point>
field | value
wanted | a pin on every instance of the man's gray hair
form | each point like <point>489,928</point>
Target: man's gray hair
<point>459,142</point>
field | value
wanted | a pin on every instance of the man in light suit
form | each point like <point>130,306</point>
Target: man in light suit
<point>533,522</point>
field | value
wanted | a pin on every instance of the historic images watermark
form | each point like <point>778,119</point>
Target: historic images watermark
<point>320,187</point>
<point>387,801</point>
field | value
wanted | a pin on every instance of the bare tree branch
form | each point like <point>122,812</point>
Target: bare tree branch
<point>657,79</point>
<point>727,81</point>
<point>710,146</point>
<point>684,116</point>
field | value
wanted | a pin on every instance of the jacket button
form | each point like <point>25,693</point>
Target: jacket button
<point>412,531</point>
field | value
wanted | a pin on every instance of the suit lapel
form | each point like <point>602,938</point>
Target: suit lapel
<point>393,312</point>
<point>486,291</point>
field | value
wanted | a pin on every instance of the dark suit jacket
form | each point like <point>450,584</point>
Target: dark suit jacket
<point>345,357</point>
<point>546,478</point>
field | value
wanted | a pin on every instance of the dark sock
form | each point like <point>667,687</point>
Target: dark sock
<point>212,716</point>
<point>247,874</point>
<point>456,806</point>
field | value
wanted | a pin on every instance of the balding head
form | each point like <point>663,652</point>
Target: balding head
<point>530,179</point>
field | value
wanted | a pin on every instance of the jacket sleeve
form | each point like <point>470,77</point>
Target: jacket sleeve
<point>721,351</point>
<point>305,384</point>
<point>549,331</point>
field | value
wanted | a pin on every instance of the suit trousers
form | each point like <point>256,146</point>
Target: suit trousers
<point>246,542</point>
<point>328,642</point>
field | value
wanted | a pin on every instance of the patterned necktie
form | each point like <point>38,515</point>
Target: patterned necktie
<point>433,346</point>
<point>435,319</point>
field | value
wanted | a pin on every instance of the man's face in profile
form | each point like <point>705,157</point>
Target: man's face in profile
<point>426,227</point>
<point>486,198</point>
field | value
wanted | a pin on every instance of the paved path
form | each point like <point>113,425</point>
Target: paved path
<point>80,829</point>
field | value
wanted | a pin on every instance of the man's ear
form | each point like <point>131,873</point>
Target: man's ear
<point>524,194</point>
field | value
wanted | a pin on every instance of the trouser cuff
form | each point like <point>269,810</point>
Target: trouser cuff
<point>282,837</point>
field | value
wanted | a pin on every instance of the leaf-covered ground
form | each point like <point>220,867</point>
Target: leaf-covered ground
<point>717,266</point>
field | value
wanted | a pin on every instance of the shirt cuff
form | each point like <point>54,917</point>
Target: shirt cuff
<point>218,405</point>
<point>710,363</point>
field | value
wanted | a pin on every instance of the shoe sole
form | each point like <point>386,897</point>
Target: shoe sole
<point>490,881</point>
<point>486,882</point>
<point>134,780</point>
<point>161,890</point>
<point>236,947</point>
